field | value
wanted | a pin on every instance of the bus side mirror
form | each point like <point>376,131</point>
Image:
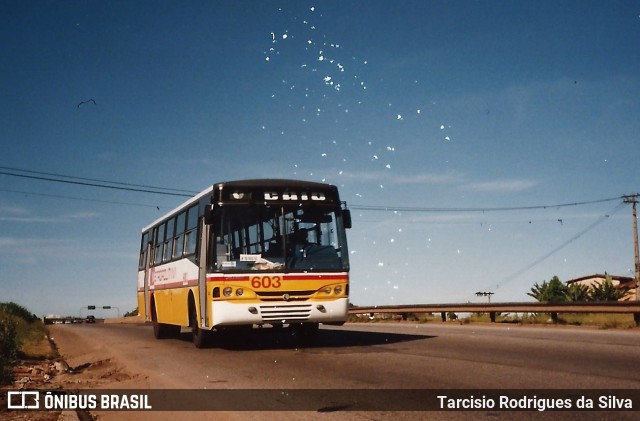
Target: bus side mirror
<point>346,218</point>
<point>209,215</point>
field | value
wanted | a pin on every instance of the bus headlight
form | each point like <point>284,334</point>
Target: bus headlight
<point>338,290</point>
<point>327,290</point>
<point>227,291</point>
<point>239,292</point>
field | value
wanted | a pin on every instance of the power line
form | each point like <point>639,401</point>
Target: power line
<point>544,257</point>
<point>479,210</point>
<point>58,196</point>
<point>105,186</point>
<point>90,182</point>
<point>116,183</point>
<point>141,188</point>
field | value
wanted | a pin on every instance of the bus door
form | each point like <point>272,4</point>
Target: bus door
<point>205,230</point>
<point>147,272</point>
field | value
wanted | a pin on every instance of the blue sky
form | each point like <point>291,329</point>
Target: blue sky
<point>436,106</point>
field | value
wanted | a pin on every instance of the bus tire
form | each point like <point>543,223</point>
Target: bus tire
<point>162,330</point>
<point>201,337</point>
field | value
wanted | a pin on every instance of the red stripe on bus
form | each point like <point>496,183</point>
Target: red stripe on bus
<point>306,277</point>
<point>168,285</point>
<point>247,278</point>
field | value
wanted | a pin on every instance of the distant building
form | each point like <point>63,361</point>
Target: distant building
<point>623,281</point>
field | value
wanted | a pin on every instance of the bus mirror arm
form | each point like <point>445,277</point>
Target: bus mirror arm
<point>346,218</point>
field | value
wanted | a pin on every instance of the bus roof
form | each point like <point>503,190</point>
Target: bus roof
<point>187,203</point>
<point>278,184</point>
<point>274,182</point>
<point>274,191</point>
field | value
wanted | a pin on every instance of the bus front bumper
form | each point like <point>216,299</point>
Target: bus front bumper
<point>228,313</point>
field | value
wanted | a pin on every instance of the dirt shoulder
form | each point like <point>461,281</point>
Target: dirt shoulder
<point>82,364</point>
<point>90,365</point>
<point>87,363</point>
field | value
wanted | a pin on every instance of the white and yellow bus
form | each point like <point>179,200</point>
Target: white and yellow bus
<point>245,253</point>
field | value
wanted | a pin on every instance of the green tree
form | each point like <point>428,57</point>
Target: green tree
<point>553,291</point>
<point>606,291</point>
<point>578,292</point>
<point>537,290</point>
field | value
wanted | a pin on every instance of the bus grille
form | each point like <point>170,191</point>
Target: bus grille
<point>277,295</point>
<point>285,313</point>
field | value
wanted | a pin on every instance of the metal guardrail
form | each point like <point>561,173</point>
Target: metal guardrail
<point>632,307</point>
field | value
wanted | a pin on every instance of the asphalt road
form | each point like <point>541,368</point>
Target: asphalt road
<point>479,359</point>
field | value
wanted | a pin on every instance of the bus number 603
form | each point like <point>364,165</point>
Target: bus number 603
<point>266,282</point>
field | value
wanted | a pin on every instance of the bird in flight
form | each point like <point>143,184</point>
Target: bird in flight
<point>86,102</point>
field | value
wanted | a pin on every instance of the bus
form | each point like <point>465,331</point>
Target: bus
<point>265,252</point>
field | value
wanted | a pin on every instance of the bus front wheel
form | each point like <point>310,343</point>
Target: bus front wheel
<point>201,337</point>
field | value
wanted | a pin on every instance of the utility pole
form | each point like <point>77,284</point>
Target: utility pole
<point>485,294</point>
<point>633,199</point>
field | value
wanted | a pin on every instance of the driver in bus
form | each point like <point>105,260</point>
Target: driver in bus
<point>298,241</point>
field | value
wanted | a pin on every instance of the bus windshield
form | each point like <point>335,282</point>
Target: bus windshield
<point>280,238</point>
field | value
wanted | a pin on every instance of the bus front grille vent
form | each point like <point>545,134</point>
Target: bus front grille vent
<point>285,313</point>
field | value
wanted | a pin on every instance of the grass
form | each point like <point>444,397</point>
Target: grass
<point>35,343</point>
<point>599,320</point>
<point>32,339</point>
<point>24,334</point>
<point>22,337</point>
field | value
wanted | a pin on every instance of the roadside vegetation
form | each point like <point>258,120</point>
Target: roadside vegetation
<point>556,291</point>
<point>22,336</point>
<point>552,291</point>
<point>131,313</point>
<point>598,320</point>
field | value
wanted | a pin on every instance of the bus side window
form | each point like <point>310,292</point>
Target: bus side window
<point>159,242</point>
<point>168,244</point>
<point>143,251</point>
<point>178,242</point>
<point>191,240</point>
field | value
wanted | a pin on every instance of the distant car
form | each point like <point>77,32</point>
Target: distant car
<point>91,319</point>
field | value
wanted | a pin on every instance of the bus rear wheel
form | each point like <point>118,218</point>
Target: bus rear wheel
<point>163,330</point>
